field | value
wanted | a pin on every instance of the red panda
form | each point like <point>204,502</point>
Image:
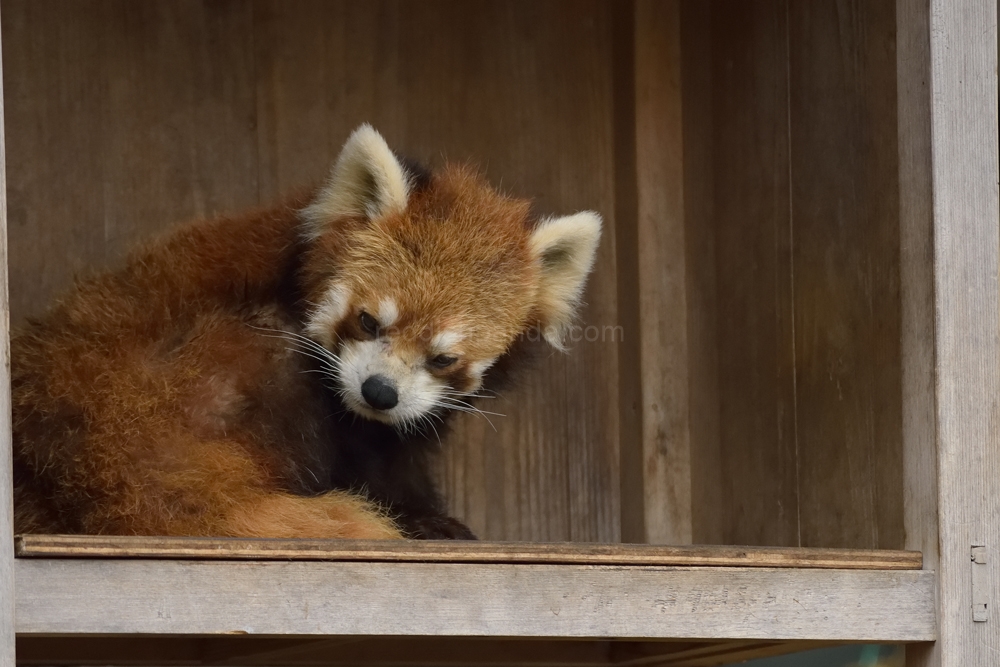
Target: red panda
<point>284,373</point>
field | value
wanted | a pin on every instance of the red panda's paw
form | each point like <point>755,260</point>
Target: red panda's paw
<point>437,528</point>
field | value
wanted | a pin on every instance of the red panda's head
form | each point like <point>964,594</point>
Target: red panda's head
<point>419,282</point>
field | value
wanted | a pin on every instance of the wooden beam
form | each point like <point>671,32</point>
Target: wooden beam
<point>97,546</point>
<point>626,234</point>
<point>6,464</point>
<point>916,256</point>
<point>73,596</point>
<point>962,42</point>
<point>663,299</point>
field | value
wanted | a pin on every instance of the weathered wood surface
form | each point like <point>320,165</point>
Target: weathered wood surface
<point>916,233</point>
<point>800,101</point>
<point>93,546</point>
<point>749,149</point>
<point>962,38</point>
<point>701,275</point>
<point>490,600</point>
<point>6,466</point>
<point>249,650</point>
<point>628,391</point>
<point>142,114</point>
<point>664,308</point>
<point>845,272</point>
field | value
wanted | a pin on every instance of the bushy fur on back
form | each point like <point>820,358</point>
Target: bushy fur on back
<point>221,382</point>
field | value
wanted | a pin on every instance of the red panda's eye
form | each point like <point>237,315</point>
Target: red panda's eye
<point>368,323</point>
<point>443,361</point>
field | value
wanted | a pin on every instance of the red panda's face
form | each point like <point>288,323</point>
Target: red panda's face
<point>417,291</point>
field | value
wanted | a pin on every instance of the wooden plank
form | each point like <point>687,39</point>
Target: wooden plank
<point>662,266</point>
<point>916,233</point>
<point>6,463</point>
<point>139,115</point>
<point>629,392</point>
<point>250,650</point>
<point>93,546</point>
<point>758,440</point>
<point>845,253</point>
<point>966,209</point>
<point>476,91</point>
<point>59,596</point>
<point>707,514</point>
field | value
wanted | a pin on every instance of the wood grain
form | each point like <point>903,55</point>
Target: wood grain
<point>707,511</point>
<point>138,115</point>
<point>477,91</point>
<point>93,546</point>
<point>753,238</point>
<point>966,234</point>
<point>142,114</point>
<point>7,658</point>
<point>845,281</point>
<point>916,233</point>
<point>62,596</point>
<point>629,389</point>
<point>662,266</point>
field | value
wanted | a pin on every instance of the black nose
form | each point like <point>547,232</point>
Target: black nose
<point>379,392</point>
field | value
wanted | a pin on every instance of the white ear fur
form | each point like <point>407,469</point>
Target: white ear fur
<point>367,180</point>
<point>565,248</point>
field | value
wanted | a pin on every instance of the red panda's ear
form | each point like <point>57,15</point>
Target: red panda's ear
<point>367,181</point>
<point>565,248</point>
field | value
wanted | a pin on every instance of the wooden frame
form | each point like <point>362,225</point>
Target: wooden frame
<point>949,209</point>
<point>114,597</point>
<point>950,196</point>
<point>6,464</point>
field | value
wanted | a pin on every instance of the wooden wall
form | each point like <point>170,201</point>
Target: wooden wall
<point>744,154</point>
<point>125,116</point>
<point>793,109</point>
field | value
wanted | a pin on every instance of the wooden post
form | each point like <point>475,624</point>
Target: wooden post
<point>947,55</point>
<point>6,465</point>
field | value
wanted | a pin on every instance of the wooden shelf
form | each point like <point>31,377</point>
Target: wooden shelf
<point>177,586</point>
<point>409,551</point>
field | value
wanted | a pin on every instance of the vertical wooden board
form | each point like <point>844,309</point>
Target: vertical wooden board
<point>753,260</point>
<point>707,515</point>
<point>7,658</point>
<point>524,89</point>
<point>916,246</point>
<point>663,285</point>
<point>845,220</point>
<point>631,408</point>
<point>699,240</point>
<point>125,118</point>
<point>56,95</point>
<point>916,272</point>
<point>966,205</point>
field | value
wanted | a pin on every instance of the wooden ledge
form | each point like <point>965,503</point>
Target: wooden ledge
<point>88,546</point>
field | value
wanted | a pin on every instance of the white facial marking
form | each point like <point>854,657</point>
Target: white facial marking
<point>444,341</point>
<point>328,313</point>
<point>477,368</point>
<point>388,312</point>
<point>419,392</point>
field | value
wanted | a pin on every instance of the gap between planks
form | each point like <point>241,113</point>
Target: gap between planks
<point>91,546</point>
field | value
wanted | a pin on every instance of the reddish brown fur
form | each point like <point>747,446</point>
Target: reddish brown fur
<point>145,404</point>
<point>480,259</point>
<point>141,400</point>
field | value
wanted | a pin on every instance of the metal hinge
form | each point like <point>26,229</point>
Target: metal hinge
<point>980,583</point>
